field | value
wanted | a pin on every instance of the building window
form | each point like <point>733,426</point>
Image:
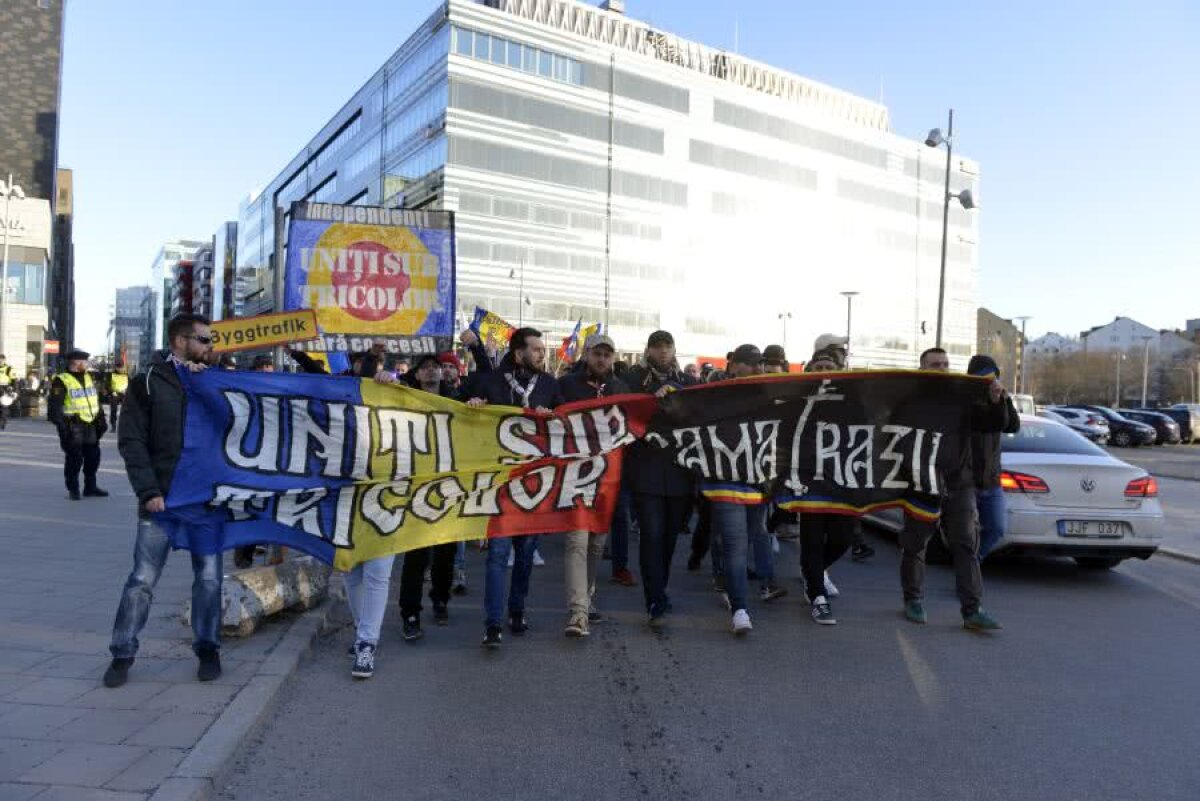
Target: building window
<point>518,56</point>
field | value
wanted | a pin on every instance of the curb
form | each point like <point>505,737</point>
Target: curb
<point>1182,556</point>
<point>203,771</point>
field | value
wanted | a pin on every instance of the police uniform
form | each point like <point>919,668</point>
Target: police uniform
<point>75,408</point>
<point>118,384</point>
<point>8,387</point>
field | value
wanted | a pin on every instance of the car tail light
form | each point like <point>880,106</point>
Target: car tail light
<point>1144,487</point>
<point>1012,481</point>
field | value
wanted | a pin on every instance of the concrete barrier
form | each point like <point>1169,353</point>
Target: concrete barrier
<point>248,597</point>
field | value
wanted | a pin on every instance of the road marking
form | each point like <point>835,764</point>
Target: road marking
<point>62,522</point>
<point>924,680</point>
<point>56,466</point>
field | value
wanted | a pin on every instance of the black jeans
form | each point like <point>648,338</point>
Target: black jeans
<point>412,576</point>
<point>86,457</point>
<point>660,519</point>
<point>702,536</point>
<point>823,540</point>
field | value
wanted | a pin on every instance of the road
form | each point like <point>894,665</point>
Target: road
<point>1088,693</point>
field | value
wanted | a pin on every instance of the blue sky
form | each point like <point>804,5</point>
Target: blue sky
<point>1084,117</point>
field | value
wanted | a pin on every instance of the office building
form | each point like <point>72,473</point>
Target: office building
<point>603,169</point>
<point>129,326</point>
<point>26,231</point>
<point>164,282</point>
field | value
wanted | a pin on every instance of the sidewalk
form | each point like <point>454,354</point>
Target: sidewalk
<point>62,734</point>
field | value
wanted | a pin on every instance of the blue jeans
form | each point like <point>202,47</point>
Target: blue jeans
<point>736,524</point>
<point>760,540</point>
<point>460,556</point>
<point>497,569</point>
<point>618,536</point>
<point>367,593</point>
<point>150,553</point>
<point>990,504</point>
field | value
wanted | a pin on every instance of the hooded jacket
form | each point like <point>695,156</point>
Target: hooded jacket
<point>985,445</point>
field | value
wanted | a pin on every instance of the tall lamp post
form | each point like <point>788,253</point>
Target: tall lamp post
<point>785,316</point>
<point>1117,399</point>
<point>1021,356</point>
<point>849,296</point>
<point>9,191</point>
<point>1145,367</point>
<point>937,139</point>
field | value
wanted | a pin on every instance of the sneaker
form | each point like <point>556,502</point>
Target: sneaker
<point>492,637</point>
<point>441,614</point>
<point>95,492</point>
<point>831,590</point>
<point>981,621</point>
<point>412,629</point>
<point>364,661</point>
<point>210,665</point>
<point>914,612</point>
<point>624,578</point>
<point>741,622</point>
<point>861,552</point>
<point>460,583</point>
<point>577,626</point>
<point>118,672</point>
<point>517,623</point>
<point>770,591</point>
<point>821,613</point>
<point>658,616</point>
<point>538,561</point>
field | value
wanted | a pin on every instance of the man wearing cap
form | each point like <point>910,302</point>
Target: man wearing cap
<point>8,386</point>
<point>76,411</point>
<point>774,359</point>
<point>584,549</point>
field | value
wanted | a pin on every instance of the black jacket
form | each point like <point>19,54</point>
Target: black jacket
<point>647,469</point>
<point>494,388</point>
<point>575,386</point>
<point>985,420</point>
<point>985,448</point>
<point>150,429</point>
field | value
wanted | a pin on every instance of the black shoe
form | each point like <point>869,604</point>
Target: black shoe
<point>861,553</point>
<point>492,637</point>
<point>210,666</point>
<point>364,661</point>
<point>95,492</point>
<point>441,614</point>
<point>74,495</point>
<point>118,672</point>
<point>517,624</point>
<point>412,629</point>
<point>658,616</point>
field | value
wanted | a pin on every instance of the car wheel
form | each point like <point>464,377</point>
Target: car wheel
<point>1097,562</point>
<point>1122,439</point>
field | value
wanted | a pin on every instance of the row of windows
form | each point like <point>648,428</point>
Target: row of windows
<point>482,155</point>
<point>788,131</point>
<point>900,202</point>
<point>416,65</point>
<point>554,116</point>
<point>517,56</point>
<point>25,283</point>
<point>553,216</point>
<point>334,147</point>
<point>470,248</point>
<point>648,90</point>
<point>421,162</point>
<point>725,158</point>
<point>367,157</point>
<point>415,119</point>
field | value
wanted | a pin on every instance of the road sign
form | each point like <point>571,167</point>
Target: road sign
<point>264,331</point>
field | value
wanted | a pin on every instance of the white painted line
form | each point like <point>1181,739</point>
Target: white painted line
<point>67,523</point>
<point>924,680</point>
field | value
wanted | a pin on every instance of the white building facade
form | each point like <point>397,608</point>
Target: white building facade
<point>26,234</point>
<point>1051,345</point>
<point>606,171</point>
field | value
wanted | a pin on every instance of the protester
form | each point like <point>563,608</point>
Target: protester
<point>958,514</point>
<point>151,440</point>
<point>662,490</point>
<point>519,380</point>
<point>775,359</point>
<point>117,386</point>
<point>8,389</point>
<point>584,549</point>
<point>693,372</point>
<point>76,412</point>
<point>985,463</point>
<point>451,370</point>
<point>263,364</point>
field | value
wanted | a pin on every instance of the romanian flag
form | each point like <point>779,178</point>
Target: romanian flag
<point>570,345</point>
<point>492,329</point>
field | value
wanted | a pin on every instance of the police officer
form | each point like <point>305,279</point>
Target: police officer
<point>76,410</point>
<point>8,390</point>
<point>118,383</point>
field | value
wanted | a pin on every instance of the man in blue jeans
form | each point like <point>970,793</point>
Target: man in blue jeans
<point>150,439</point>
<point>985,455</point>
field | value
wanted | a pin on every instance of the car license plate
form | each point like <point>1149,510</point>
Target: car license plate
<point>1095,529</point>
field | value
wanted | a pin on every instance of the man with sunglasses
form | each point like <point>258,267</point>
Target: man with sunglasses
<point>150,438</point>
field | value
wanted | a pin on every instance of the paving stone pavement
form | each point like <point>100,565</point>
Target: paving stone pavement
<point>62,734</point>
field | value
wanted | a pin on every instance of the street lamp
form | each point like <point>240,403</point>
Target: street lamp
<point>1117,401</point>
<point>849,296</point>
<point>784,316</point>
<point>1145,367</point>
<point>9,191</point>
<point>1021,356</point>
<point>937,139</point>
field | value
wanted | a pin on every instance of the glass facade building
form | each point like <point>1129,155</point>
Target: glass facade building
<point>612,172</point>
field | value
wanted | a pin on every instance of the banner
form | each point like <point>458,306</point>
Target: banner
<point>371,272</point>
<point>347,469</point>
<point>492,329</point>
<point>263,331</point>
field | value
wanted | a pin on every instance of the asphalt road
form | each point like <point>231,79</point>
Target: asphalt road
<point>1089,693</point>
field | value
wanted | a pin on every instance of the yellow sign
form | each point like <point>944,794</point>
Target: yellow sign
<point>264,331</point>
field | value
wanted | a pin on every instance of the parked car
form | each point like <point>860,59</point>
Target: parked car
<point>1023,403</point>
<point>1188,417</point>
<point>1165,428</point>
<point>1089,424</point>
<point>1067,497</point>
<point>1125,433</point>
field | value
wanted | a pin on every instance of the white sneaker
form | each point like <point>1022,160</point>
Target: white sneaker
<point>538,561</point>
<point>741,622</point>
<point>830,588</point>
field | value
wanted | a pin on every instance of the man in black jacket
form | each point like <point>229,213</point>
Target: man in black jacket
<point>985,463</point>
<point>151,440</point>
<point>958,515</point>
<point>519,380</point>
<point>585,549</point>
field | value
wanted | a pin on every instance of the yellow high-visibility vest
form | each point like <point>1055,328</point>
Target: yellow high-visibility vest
<point>81,400</point>
<point>7,376</point>
<point>118,383</point>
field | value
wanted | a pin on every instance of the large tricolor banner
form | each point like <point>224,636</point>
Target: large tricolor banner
<point>348,469</point>
<point>371,272</point>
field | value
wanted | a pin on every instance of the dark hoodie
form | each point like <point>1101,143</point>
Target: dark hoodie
<point>985,446</point>
<point>494,386</point>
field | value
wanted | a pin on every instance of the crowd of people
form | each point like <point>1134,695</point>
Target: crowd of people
<point>658,499</point>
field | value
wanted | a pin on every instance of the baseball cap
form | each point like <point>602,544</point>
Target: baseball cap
<point>597,340</point>
<point>774,353</point>
<point>660,338</point>
<point>746,354</point>
<point>830,341</point>
<point>831,354</point>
